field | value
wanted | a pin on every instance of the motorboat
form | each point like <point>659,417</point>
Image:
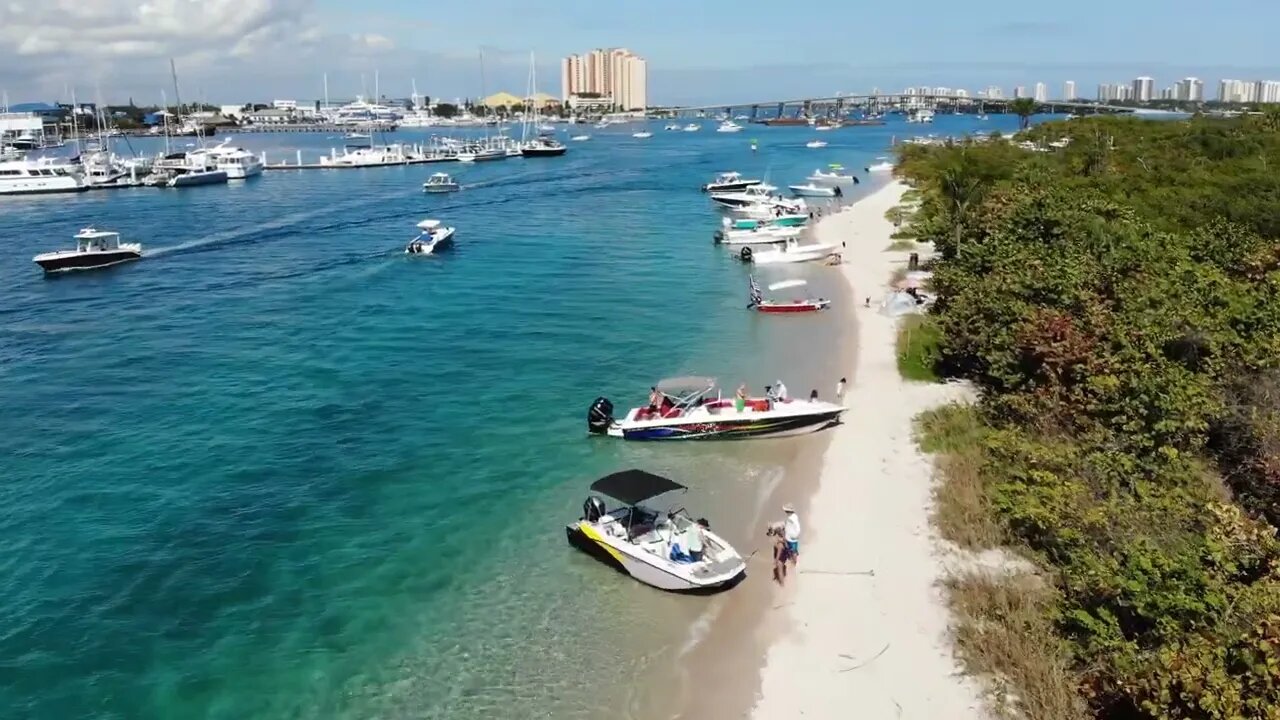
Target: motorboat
<point>770,208</point>
<point>922,115</point>
<point>824,128</point>
<point>729,126</point>
<point>747,196</point>
<point>480,153</point>
<point>692,127</point>
<point>358,138</point>
<point>643,134</point>
<point>795,305</point>
<point>94,249</point>
<point>672,126</point>
<point>546,128</point>
<point>692,408</point>
<point>729,182</point>
<point>882,166</point>
<point>35,177</point>
<point>815,144</point>
<point>440,183</point>
<point>755,232</point>
<point>580,138</point>
<point>373,156</point>
<point>186,169</point>
<point>237,163</point>
<point>779,219</point>
<point>649,544</point>
<point>813,190</point>
<point>791,252</point>
<point>434,236</point>
<point>835,177</point>
<point>543,146</point>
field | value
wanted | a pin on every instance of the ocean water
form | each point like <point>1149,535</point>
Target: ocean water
<point>277,469</point>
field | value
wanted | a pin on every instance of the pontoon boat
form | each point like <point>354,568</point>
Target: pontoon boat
<point>692,408</point>
<point>94,249</point>
<point>433,237</point>
<point>797,305</point>
<point>729,182</point>
<point>649,545</point>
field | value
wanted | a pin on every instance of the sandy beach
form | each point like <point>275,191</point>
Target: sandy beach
<point>863,626</point>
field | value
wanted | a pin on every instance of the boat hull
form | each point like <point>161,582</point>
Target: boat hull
<point>201,178</point>
<point>740,428</point>
<point>544,152</point>
<point>585,538</point>
<point>729,187</point>
<point>796,307</point>
<point>85,261</point>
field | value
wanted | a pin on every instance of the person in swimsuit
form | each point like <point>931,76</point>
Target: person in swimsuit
<point>740,400</point>
<point>779,553</point>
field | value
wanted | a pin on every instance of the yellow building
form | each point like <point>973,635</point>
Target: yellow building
<point>506,99</point>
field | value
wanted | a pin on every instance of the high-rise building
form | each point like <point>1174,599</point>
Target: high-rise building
<point>1191,89</point>
<point>995,92</point>
<point>1042,92</point>
<point>1020,91</point>
<point>1143,88</point>
<point>1069,90</point>
<point>1104,92</point>
<point>616,76</point>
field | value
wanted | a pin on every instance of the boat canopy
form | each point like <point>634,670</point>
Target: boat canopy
<point>692,382</point>
<point>634,486</point>
<point>93,234</point>
<point>787,284</point>
<point>429,224</point>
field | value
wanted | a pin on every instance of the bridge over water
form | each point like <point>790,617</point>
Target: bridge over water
<point>840,105</point>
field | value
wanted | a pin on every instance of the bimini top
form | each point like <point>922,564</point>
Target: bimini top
<point>692,382</point>
<point>634,486</point>
<point>787,284</point>
<point>429,224</point>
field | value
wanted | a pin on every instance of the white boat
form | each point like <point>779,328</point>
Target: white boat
<point>186,169</point>
<point>692,409</point>
<point>922,115</point>
<point>824,128</point>
<point>729,126</point>
<point>33,177</point>
<point>741,117</point>
<point>580,138</point>
<point>816,144</point>
<point>882,166</point>
<point>440,183</point>
<point>652,545</point>
<point>729,182</point>
<point>672,126</point>
<point>760,232</point>
<point>749,195</point>
<point>837,176</point>
<point>358,137</point>
<point>433,237</point>
<point>814,190</point>
<point>643,134</point>
<point>546,128</point>
<point>796,304</point>
<point>94,249</point>
<point>692,127</point>
<point>238,163</point>
<point>771,208</point>
<point>791,252</point>
<point>375,156</point>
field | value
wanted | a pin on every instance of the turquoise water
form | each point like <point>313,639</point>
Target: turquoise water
<point>279,470</point>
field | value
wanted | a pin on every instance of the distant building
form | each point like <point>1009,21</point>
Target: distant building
<point>1041,92</point>
<point>1143,88</point>
<point>1020,91</point>
<point>616,73</point>
<point>290,105</point>
<point>269,116</point>
<point>995,92</point>
<point>231,111</point>
<point>1069,90</point>
<point>501,99</point>
<point>1191,89</point>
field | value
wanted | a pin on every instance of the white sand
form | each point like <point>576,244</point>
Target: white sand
<point>860,646</point>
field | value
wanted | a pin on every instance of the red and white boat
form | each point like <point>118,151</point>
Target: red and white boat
<point>795,305</point>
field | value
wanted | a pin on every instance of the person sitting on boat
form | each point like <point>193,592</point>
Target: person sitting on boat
<point>779,391</point>
<point>694,538</point>
<point>655,399</point>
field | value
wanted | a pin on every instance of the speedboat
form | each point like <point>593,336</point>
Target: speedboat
<point>94,249</point>
<point>755,232</point>
<point>543,146</point>
<point>824,128</point>
<point>692,127</point>
<point>796,305</point>
<point>672,126</point>
<point>816,144</point>
<point>652,546</point>
<point>643,134</point>
<point>692,408</point>
<point>791,252</point>
<point>434,236</point>
<point>813,190</point>
<point>358,137</point>
<point>729,126</point>
<point>580,138</point>
<point>882,166</point>
<point>728,182</point>
<point>771,208</point>
<point>749,195</point>
<point>440,183</point>
<point>835,177</point>
<point>779,219</point>
<point>186,169</point>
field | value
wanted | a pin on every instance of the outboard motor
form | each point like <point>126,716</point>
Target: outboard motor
<point>745,254</point>
<point>593,509</point>
<point>600,416</point>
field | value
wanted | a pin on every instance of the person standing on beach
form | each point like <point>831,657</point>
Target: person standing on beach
<point>779,553</point>
<point>791,533</point>
<point>840,391</point>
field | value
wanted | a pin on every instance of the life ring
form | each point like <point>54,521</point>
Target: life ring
<point>745,254</point>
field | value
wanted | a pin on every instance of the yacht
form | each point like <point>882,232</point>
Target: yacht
<point>365,114</point>
<point>440,183</point>
<point>104,169</point>
<point>375,156</point>
<point>94,249</point>
<point>750,195</point>
<point>922,115</point>
<point>30,177</point>
<point>729,182</point>
<point>543,146</point>
<point>185,169</point>
<point>729,126</point>
<point>238,163</point>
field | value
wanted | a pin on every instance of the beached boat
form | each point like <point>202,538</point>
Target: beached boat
<point>779,219</point>
<point>653,546</point>
<point>770,208</point>
<point>729,182</point>
<point>791,252</point>
<point>756,232</point>
<point>94,249</point>
<point>814,190</point>
<point>799,304</point>
<point>882,166</point>
<point>434,236</point>
<point>814,144</point>
<point>440,183</point>
<point>749,195</point>
<point>692,408</point>
<point>835,177</point>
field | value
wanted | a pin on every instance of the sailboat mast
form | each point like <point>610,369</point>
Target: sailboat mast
<point>164,116</point>
<point>326,92</point>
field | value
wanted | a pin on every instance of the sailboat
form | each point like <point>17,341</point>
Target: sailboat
<point>545,144</point>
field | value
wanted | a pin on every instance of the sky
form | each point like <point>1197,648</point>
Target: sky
<point>698,51</point>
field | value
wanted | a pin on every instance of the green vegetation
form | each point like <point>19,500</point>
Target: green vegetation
<point>1117,302</point>
<point>1024,108</point>
<point>901,244</point>
<point>918,339</point>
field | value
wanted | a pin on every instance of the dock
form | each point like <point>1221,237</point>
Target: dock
<point>321,166</point>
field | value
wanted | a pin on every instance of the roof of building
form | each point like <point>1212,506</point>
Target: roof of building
<point>500,99</point>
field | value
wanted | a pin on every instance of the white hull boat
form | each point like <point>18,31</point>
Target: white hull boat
<point>38,177</point>
<point>580,138</point>
<point>728,126</point>
<point>832,178</point>
<point>883,166</point>
<point>653,546</point>
<point>692,127</point>
<point>791,252</point>
<point>815,144</point>
<point>750,195</point>
<point>434,236</point>
<point>440,183</point>
<point>728,182</point>
<point>756,233</point>
<point>642,135</point>
<point>817,191</point>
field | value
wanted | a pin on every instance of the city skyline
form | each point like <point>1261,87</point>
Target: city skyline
<point>230,50</point>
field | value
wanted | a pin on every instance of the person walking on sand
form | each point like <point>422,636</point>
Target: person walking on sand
<point>840,391</point>
<point>779,553</point>
<point>791,533</point>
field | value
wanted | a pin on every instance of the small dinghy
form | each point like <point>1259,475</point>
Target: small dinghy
<point>434,236</point>
<point>666,549</point>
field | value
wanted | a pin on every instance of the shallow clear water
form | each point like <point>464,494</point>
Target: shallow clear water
<point>278,469</point>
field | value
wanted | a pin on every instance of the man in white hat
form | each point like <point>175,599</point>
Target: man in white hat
<point>780,391</point>
<point>791,532</point>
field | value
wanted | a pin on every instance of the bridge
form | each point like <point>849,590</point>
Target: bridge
<point>841,105</point>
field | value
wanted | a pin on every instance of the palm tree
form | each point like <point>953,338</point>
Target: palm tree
<point>1024,108</point>
<point>962,185</point>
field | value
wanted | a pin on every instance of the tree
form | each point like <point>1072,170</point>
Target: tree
<point>962,183</point>
<point>446,110</point>
<point>1024,108</point>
